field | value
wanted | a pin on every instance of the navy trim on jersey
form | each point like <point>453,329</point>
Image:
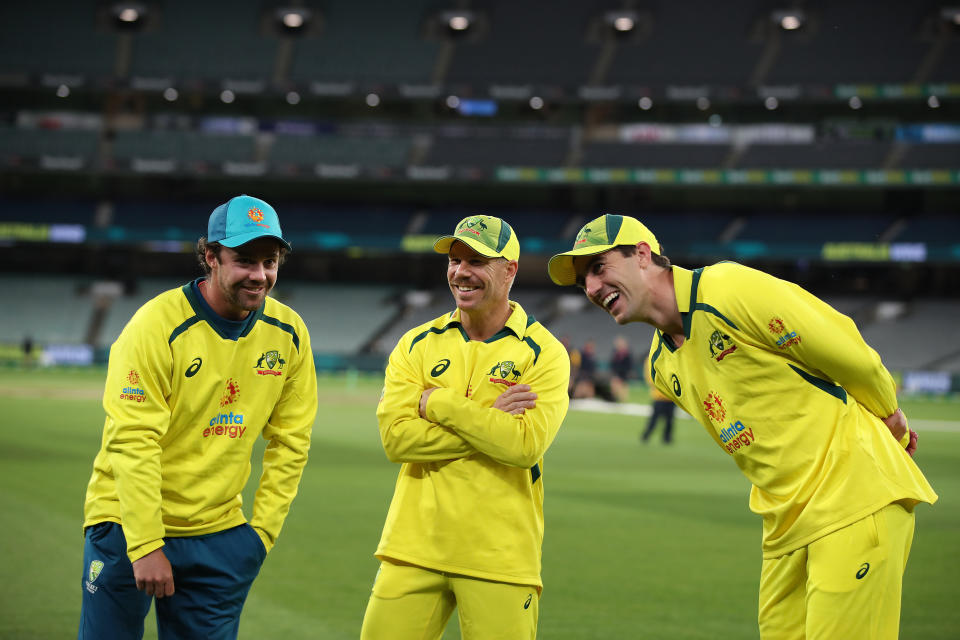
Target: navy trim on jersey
<point>226,329</point>
<point>656,354</point>
<point>186,324</point>
<point>533,345</point>
<point>703,306</point>
<point>423,335</point>
<point>534,473</point>
<point>281,325</point>
<point>835,390</point>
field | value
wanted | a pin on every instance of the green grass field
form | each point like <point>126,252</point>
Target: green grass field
<point>641,541</point>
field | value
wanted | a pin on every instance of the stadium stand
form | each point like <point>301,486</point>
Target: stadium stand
<point>340,150</point>
<point>678,156</point>
<point>122,308</point>
<point>919,338</point>
<point>360,43</point>
<point>931,156</point>
<point>823,155</point>
<point>51,309</point>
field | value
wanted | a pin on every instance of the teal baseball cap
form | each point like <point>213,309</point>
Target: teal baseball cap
<point>242,219</point>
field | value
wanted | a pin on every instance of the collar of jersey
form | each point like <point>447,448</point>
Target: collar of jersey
<point>227,329</point>
<point>685,283</point>
<point>516,324</point>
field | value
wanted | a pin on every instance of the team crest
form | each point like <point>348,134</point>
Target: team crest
<point>231,393</point>
<point>721,345</point>
<point>270,363</point>
<point>95,568</point>
<point>502,370</point>
<point>474,225</point>
<point>713,405</point>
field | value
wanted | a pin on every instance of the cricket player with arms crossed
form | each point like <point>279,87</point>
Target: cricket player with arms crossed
<point>195,377</point>
<point>788,388</point>
<point>471,402</point>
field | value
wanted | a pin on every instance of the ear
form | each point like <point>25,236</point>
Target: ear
<point>512,267</point>
<point>643,252</point>
<point>210,257</point>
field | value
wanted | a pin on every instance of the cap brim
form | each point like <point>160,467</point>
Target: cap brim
<point>244,238</point>
<point>561,268</point>
<point>443,244</point>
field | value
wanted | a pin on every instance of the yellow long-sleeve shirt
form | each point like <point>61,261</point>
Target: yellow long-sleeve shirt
<point>185,400</point>
<point>469,496</point>
<point>787,387</point>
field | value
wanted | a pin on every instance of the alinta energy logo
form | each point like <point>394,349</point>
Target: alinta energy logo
<point>721,345</point>
<point>733,435</point>
<point>785,337</point>
<point>270,363</point>
<point>500,371</point>
<point>133,391</point>
<point>96,566</point>
<point>256,214</point>
<point>228,424</point>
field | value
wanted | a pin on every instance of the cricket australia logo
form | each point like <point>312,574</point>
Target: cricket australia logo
<point>713,405</point>
<point>270,364</point>
<point>474,225</point>
<point>93,573</point>
<point>721,345</point>
<point>500,371</point>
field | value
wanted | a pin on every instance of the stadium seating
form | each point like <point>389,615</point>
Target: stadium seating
<point>50,309</point>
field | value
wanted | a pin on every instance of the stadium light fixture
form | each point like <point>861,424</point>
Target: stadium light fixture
<point>622,22</point>
<point>536,103</point>
<point>788,19</point>
<point>933,102</point>
<point>128,15</point>
<point>951,15</point>
<point>457,21</point>
<point>293,97</point>
<point>63,91</point>
<point>855,102</point>
<point>771,103</point>
<point>170,94</point>
<point>452,102</point>
<point>227,96</point>
<point>645,103</point>
<point>703,103</point>
<point>293,19</point>
<point>372,100</point>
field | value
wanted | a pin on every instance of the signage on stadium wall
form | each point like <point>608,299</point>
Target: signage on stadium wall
<point>29,232</point>
<point>927,382</point>
<point>758,177</point>
<point>875,252</point>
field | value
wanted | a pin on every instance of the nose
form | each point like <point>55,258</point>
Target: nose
<point>258,272</point>
<point>591,286</point>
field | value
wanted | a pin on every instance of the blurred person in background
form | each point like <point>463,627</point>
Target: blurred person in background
<point>195,377</point>
<point>787,387</point>
<point>621,369</point>
<point>584,385</point>
<point>471,402</point>
<point>661,409</point>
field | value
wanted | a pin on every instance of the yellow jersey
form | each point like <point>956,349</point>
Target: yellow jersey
<point>469,496</point>
<point>187,394</point>
<point>788,388</point>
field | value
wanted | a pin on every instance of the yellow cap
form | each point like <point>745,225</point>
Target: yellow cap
<point>487,235</point>
<point>599,235</point>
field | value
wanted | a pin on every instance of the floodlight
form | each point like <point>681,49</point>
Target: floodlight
<point>771,103</point>
<point>128,15</point>
<point>788,19</point>
<point>227,96</point>
<point>170,94</point>
<point>293,97</point>
<point>645,103</point>
<point>293,19</point>
<point>458,21</point>
<point>855,102</point>
<point>933,102</point>
<point>621,22</point>
<point>372,100</point>
<point>536,103</point>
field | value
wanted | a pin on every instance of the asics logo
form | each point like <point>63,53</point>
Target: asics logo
<point>863,570</point>
<point>193,368</point>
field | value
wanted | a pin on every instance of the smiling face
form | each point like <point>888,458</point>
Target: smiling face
<point>241,278</point>
<point>479,284</point>
<point>616,283</point>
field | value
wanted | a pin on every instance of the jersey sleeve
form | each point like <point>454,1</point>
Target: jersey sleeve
<point>514,440</point>
<point>825,340</point>
<point>288,433</point>
<point>140,358</point>
<point>407,437</point>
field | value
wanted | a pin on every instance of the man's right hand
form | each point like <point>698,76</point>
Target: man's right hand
<point>154,574</point>
<point>516,399</point>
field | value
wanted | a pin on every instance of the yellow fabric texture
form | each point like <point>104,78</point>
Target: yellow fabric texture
<point>469,495</point>
<point>413,603</point>
<point>177,439</point>
<point>788,388</point>
<point>847,584</point>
